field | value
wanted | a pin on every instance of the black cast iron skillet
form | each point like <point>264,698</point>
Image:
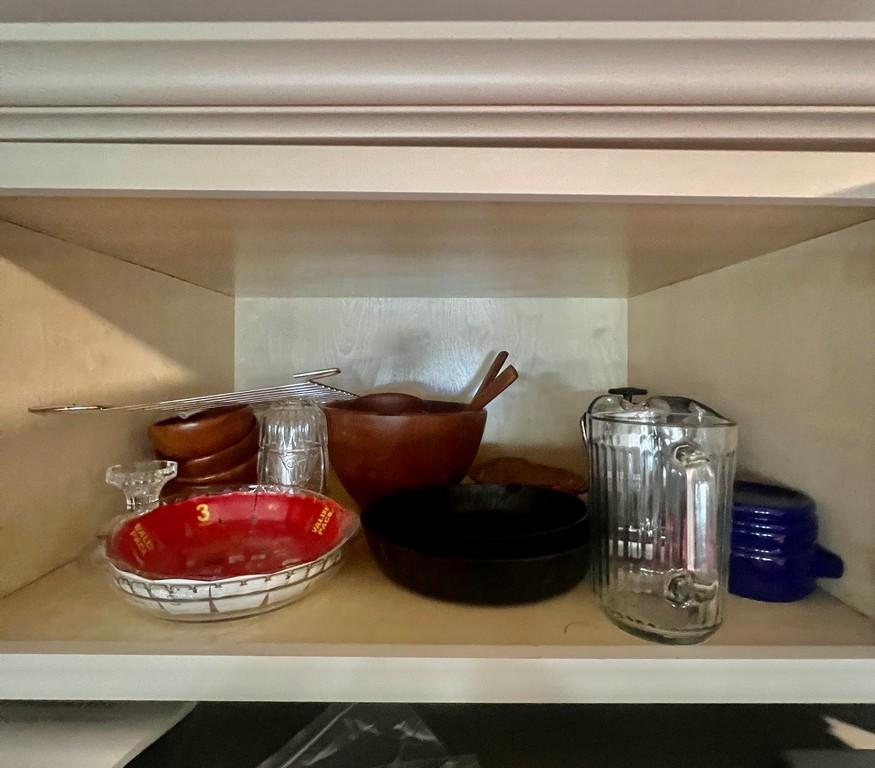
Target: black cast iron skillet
<point>487,544</point>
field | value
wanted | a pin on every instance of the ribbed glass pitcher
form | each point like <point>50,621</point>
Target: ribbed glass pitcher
<point>660,498</point>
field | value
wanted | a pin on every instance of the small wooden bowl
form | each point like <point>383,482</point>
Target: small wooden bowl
<point>203,434</point>
<point>221,461</point>
<point>242,473</point>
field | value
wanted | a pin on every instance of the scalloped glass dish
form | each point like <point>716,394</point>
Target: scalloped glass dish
<point>210,554</point>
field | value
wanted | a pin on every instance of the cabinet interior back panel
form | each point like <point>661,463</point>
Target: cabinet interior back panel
<point>78,326</point>
<point>287,247</point>
<point>785,344</point>
<point>564,349</point>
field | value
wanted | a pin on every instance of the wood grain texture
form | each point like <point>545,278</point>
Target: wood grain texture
<point>784,344</point>
<point>564,349</point>
<point>76,326</point>
<point>288,248</point>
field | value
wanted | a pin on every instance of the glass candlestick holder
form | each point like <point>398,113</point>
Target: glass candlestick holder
<point>141,483</point>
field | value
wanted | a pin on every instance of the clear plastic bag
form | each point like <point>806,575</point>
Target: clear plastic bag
<point>367,736</point>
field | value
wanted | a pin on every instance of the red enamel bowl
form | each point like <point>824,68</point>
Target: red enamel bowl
<point>207,535</point>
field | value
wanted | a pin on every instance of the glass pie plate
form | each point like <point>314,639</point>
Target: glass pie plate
<point>213,554</point>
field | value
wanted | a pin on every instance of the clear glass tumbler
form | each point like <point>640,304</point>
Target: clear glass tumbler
<point>660,498</point>
<point>293,448</point>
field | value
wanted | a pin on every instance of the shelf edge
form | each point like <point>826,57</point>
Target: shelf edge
<point>439,680</point>
<point>449,173</point>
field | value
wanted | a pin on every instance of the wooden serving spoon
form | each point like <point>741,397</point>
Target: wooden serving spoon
<point>493,389</point>
<point>493,371</point>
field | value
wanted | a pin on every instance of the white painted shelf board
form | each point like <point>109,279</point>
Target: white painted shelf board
<point>362,637</point>
<point>382,248</point>
<point>435,173</point>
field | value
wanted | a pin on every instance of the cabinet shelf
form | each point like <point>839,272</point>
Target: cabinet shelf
<point>287,248</point>
<point>363,638</point>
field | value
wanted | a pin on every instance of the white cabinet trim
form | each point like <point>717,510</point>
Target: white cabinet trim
<point>539,678</point>
<point>618,126</point>
<point>460,173</point>
<point>754,84</point>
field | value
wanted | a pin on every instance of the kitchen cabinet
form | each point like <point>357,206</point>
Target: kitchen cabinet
<point>401,200</point>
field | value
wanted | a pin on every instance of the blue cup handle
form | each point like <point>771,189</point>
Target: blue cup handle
<point>827,565</point>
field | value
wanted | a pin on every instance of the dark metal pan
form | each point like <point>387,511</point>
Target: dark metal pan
<point>487,544</point>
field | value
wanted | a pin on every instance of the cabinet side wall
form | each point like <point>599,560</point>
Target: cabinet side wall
<point>564,350</point>
<point>78,326</point>
<point>785,344</point>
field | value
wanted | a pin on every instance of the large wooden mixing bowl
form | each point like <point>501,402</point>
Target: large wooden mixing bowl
<point>385,443</point>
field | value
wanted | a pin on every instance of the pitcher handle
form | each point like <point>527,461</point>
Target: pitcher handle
<point>698,581</point>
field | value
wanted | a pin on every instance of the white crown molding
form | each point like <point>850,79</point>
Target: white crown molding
<point>438,30</point>
<point>729,127</point>
<point>794,84</point>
